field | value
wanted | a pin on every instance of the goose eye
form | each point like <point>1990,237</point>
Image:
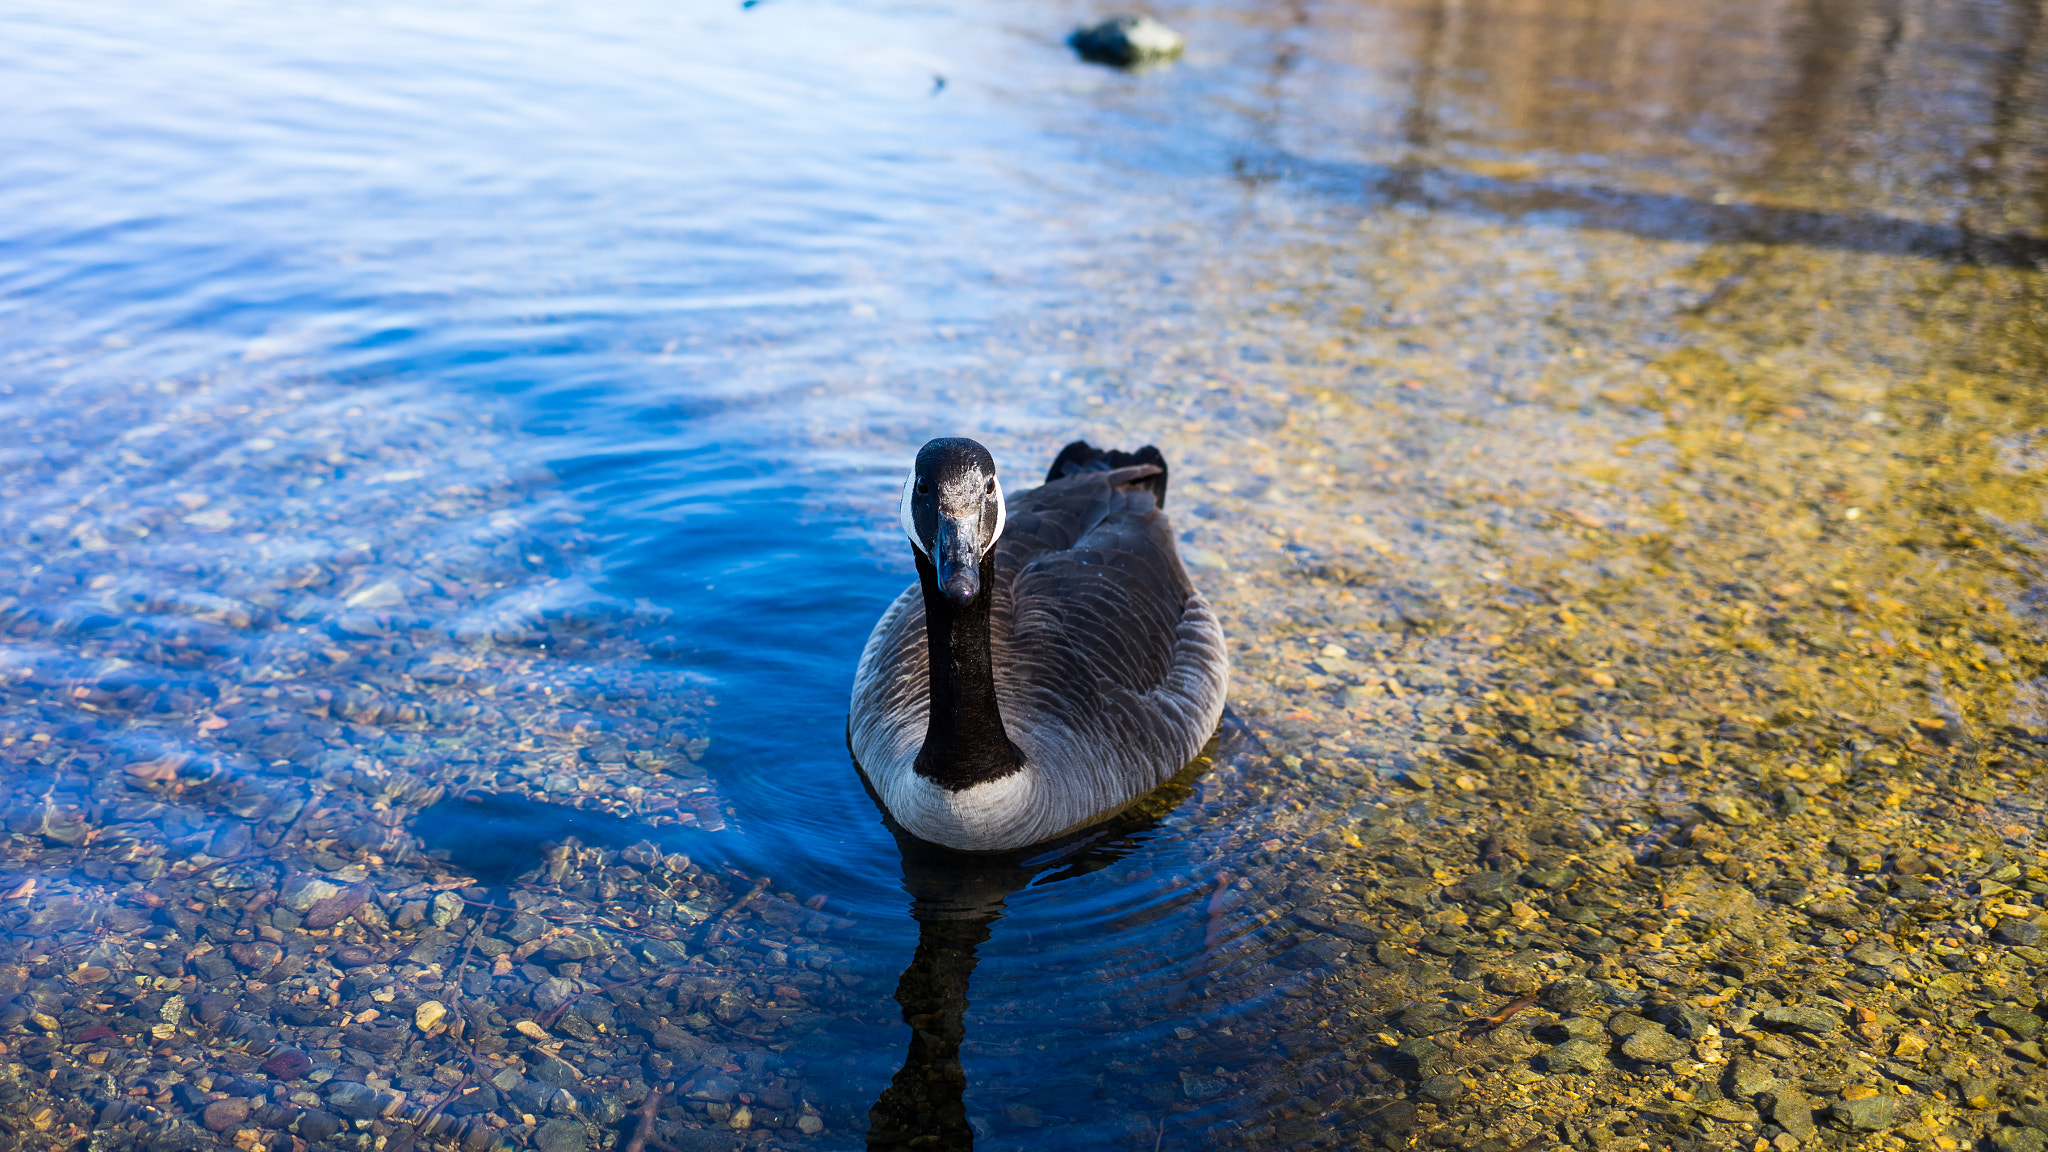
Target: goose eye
<point>923,488</point>
<point>990,487</point>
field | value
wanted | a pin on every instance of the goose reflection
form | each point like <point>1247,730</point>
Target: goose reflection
<point>956,898</point>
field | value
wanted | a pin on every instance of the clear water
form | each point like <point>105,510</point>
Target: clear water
<point>633,313</point>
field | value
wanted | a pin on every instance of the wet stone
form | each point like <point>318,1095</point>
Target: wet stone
<point>2018,1021</point>
<point>1868,1114</point>
<point>1655,1046</point>
<point>1576,1056</point>
<point>562,1135</point>
<point>1747,1078</point>
<point>2016,1139</point>
<point>1818,1021</point>
<point>1792,1111</point>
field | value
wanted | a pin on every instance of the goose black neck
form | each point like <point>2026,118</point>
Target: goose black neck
<point>965,743</point>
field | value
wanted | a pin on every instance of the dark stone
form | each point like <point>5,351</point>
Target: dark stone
<point>1801,1018</point>
<point>317,1126</point>
<point>1443,1088</point>
<point>2018,1021</point>
<point>2021,932</point>
<point>1127,42</point>
<point>355,1101</point>
<point>564,1135</point>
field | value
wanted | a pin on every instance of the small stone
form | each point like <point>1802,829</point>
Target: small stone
<point>300,893</point>
<point>1793,1112</point>
<point>318,1126</point>
<point>1443,1088</point>
<point>553,993</point>
<point>1872,1113</point>
<point>1730,810</point>
<point>2018,1021</point>
<point>742,1119</point>
<point>2019,1140</point>
<point>1769,1045</point>
<point>1909,1046</point>
<point>1571,994</point>
<point>2020,932</point>
<point>352,1100</point>
<point>1576,1056</point>
<point>224,1114</point>
<point>562,1135</point>
<point>1654,1046</point>
<point>810,1124</point>
<point>429,1016</point>
<point>1802,1018</point>
<point>531,1030</point>
<point>287,1065</point>
<point>1747,1077</point>
<point>1980,1093</point>
<point>1128,42</point>
<point>353,956</point>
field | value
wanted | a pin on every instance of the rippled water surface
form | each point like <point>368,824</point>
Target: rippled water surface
<point>435,432</point>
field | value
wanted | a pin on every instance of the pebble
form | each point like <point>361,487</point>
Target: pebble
<point>1818,1021</point>
<point>1655,1046</point>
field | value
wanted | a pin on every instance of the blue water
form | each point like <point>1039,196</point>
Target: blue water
<point>688,284</point>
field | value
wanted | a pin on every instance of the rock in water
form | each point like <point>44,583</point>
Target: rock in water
<point>1128,42</point>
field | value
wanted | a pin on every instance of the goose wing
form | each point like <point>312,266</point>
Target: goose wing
<point>1104,647</point>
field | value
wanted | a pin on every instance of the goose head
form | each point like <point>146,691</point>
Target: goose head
<point>953,512</point>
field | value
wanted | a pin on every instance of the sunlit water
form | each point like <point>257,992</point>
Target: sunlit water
<point>500,314</point>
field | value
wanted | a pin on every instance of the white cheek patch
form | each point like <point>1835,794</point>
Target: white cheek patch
<point>903,514</point>
<point>1002,514</point>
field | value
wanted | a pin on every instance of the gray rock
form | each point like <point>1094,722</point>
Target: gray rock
<point>1747,1077</point>
<point>1870,1114</point>
<point>1576,1056</point>
<point>524,926</point>
<point>1128,42</point>
<point>1801,1018</point>
<point>2020,932</point>
<point>1444,1087</point>
<point>564,1135</point>
<point>577,947</point>
<point>2032,1116</point>
<point>716,1089</point>
<point>1793,1112</point>
<point>1685,1020</point>
<point>1571,994</point>
<point>1655,1046</point>
<point>301,892</point>
<point>352,1100</point>
<point>553,993</point>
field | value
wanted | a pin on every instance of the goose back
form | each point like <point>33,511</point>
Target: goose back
<point>1110,670</point>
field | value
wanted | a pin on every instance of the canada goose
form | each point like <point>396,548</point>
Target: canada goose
<point>1073,666</point>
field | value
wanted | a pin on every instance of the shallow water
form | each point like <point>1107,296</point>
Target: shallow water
<point>533,382</point>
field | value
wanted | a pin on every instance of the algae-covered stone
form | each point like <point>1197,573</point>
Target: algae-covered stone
<point>2019,1140</point>
<point>2018,1021</point>
<point>1654,1046</point>
<point>1869,1114</point>
<point>1792,1111</point>
<point>1576,1056</point>
<point>1571,994</point>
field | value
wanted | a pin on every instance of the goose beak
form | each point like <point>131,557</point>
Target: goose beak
<point>958,562</point>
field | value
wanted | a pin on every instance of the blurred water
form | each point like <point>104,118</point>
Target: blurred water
<point>636,312</point>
